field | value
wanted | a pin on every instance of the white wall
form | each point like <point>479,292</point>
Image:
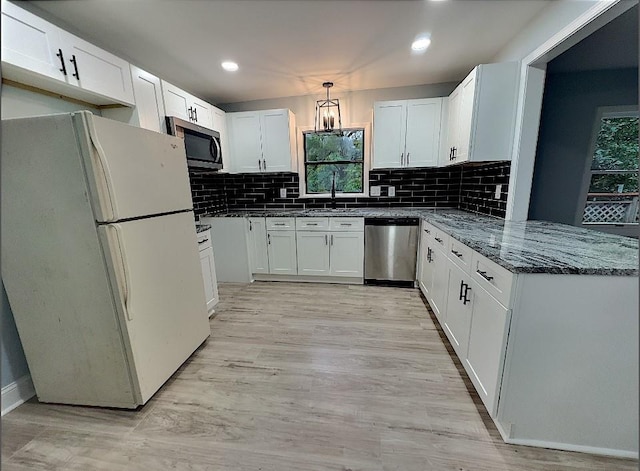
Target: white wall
<point>19,103</point>
<point>548,22</point>
<point>355,107</point>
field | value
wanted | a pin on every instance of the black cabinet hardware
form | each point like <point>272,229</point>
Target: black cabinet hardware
<point>456,253</point>
<point>64,67</point>
<point>269,239</point>
<point>264,165</point>
<point>438,239</point>
<point>326,239</point>
<point>427,231</point>
<point>259,165</point>
<point>195,114</point>
<point>429,252</point>
<point>74,61</point>
<point>250,226</point>
<point>484,275</point>
<point>467,288</point>
<point>203,241</point>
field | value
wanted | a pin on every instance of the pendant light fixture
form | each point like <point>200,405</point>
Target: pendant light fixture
<point>327,113</point>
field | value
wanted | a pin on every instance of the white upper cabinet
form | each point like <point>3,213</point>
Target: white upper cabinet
<point>97,71</point>
<point>407,133</point>
<point>149,110</point>
<point>202,113</point>
<point>176,101</point>
<point>482,110</point>
<point>31,43</point>
<point>244,142</point>
<point>389,128</point>
<point>37,53</point>
<point>185,106</point>
<point>219,118</point>
<point>262,141</point>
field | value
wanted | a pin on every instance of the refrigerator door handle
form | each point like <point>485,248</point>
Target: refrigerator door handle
<point>125,273</point>
<point>104,164</point>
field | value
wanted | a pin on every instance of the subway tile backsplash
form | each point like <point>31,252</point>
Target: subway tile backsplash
<point>466,186</point>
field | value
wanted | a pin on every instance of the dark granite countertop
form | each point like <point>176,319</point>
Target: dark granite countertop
<point>520,247</point>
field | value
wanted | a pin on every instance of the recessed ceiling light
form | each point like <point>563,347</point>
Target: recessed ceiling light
<point>229,66</point>
<point>421,43</point>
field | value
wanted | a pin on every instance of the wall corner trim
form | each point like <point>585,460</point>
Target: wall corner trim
<point>16,393</point>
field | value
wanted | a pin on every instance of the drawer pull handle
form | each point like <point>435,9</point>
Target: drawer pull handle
<point>484,275</point>
<point>438,239</point>
<point>203,241</point>
<point>279,224</point>
<point>345,224</point>
<point>429,252</point>
<point>456,253</point>
<point>312,224</point>
<point>427,231</point>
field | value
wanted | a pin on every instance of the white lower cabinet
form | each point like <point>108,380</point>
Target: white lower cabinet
<point>258,256</point>
<point>281,247</point>
<point>208,266</point>
<point>347,254</point>
<point>438,299</point>
<point>485,354</point>
<point>313,253</point>
<point>459,309</point>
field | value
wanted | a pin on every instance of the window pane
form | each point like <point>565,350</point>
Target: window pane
<point>329,147</point>
<point>617,145</point>
<point>614,183</point>
<point>348,178</point>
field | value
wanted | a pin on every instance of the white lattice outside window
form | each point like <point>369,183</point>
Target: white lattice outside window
<point>612,190</point>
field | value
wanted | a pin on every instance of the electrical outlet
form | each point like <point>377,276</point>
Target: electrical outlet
<point>391,191</point>
<point>283,192</point>
<point>375,190</point>
<point>498,193</point>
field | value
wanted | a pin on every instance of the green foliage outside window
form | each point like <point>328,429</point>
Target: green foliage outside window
<point>616,150</point>
<point>340,154</point>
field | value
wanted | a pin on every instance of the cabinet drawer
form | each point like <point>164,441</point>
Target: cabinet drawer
<point>204,240</point>
<point>281,224</point>
<point>492,277</point>
<point>346,224</point>
<point>312,224</point>
<point>460,254</point>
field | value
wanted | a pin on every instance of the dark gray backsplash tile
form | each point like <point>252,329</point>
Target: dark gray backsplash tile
<point>469,187</point>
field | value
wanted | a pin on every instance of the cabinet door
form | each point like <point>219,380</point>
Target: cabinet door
<point>245,145</point>
<point>31,43</point>
<point>176,101</point>
<point>209,278</point>
<point>276,145</point>
<point>313,253</point>
<point>258,258</point>
<point>438,299</point>
<point>452,124</point>
<point>389,128</point>
<point>347,254</point>
<point>465,118</point>
<point>97,70</point>
<point>487,347</point>
<point>423,132</point>
<point>459,308</point>
<point>149,103</point>
<point>282,252</point>
<point>425,277</point>
<point>202,114</point>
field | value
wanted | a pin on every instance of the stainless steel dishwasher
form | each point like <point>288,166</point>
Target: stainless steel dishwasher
<point>390,251</point>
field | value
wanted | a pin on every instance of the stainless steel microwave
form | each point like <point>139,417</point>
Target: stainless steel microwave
<point>202,145</point>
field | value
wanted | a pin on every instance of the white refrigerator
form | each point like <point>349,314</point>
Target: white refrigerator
<point>99,257</point>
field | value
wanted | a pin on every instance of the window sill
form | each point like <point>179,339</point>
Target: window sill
<point>338,196</point>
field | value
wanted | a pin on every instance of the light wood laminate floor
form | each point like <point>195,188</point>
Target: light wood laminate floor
<point>302,377</point>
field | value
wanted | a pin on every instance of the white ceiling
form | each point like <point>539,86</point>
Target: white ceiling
<point>289,47</point>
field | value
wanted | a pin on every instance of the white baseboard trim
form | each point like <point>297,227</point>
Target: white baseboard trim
<point>571,447</point>
<point>17,393</point>
<point>344,280</point>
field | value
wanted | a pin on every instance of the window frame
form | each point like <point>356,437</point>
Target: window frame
<point>366,162</point>
<point>628,228</point>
